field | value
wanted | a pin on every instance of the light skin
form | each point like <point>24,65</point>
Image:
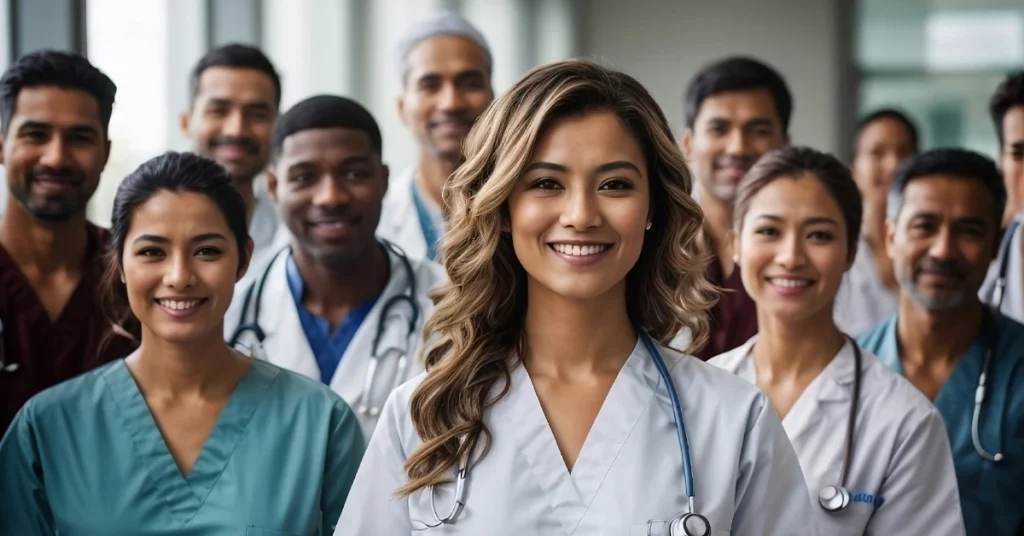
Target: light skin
<point>586,186</point>
<point>446,87</point>
<point>882,146</point>
<point>329,184</point>
<point>231,120</point>
<point>941,244</point>
<point>180,251</point>
<point>731,131</point>
<point>1011,160</point>
<point>54,150</point>
<point>792,250</point>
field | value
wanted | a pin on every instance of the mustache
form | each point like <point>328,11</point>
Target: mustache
<point>736,161</point>
<point>55,173</point>
<point>330,214</point>
<point>245,144</point>
<point>464,118</point>
<point>949,268</point>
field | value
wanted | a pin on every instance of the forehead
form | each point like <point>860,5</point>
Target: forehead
<point>1013,124</point>
<point>61,107</point>
<point>739,105</point>
<point>885,130</point>
<point>236,84</point>
<point>588,140</point>
<point>172,214</point>
<point>795,198</point>
<point>949,196</point>
<point>325,143</point>
<point>446,55</point>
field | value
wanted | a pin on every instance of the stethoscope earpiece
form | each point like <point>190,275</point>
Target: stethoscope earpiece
<point>833,498</point>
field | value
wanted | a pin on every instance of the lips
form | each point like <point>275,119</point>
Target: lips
<point>577,250</point>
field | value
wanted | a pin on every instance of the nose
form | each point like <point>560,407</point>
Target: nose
<point>179,274</point>
<point>55,153</point>
<point>330,193</point>
<point>234,124</point>
<point>581,210</point>
<point>791,253</point>
<point>737,142</point>
<point>450,98</point>
<point>942,246</point>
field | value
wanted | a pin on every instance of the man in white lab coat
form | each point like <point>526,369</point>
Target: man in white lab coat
<point>445,70</point>
<point>339,305</point>
<point>1004,286</point>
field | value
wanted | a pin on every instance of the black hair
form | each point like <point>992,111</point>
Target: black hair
<point>172,172</point>
<point>1010,93</point>
<point>794,161</point>
<point>954,162</point>
<point>235,56</point>
<point>738,74</point>
<point>887,113</point>
<point>325,111</point>
<point>58,69</point>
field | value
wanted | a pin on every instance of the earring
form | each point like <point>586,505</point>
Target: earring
<point>648,227</point>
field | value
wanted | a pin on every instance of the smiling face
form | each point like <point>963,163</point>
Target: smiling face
<point>180,265</point>
<point>579,210</point>
<point>882,146</point>
<point>793,248</point>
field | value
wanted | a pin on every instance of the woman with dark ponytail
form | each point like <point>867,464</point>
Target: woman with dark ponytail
<point>185,435</point>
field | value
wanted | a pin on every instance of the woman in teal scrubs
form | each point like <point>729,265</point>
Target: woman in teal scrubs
<point>184,436</point>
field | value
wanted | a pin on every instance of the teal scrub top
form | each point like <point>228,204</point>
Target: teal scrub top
<point>991,493</point>
<point>85,458</point>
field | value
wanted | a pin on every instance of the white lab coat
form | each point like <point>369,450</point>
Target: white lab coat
<point>901,453</point>
<point>286,345</point>
<point>628,472</point>
<point>863,300</point>
<point>1013,294</point>
<point>399,220</point>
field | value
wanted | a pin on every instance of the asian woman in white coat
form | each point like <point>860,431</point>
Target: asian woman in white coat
<point>873,449</point>
<point>547,403</point>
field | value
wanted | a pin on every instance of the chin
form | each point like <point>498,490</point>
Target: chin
<point>579,289</point>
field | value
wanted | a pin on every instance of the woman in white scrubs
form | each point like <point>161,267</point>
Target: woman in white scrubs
<point>873,449</point>
<point>544,407</point>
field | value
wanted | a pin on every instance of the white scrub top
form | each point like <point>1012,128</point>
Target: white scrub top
<point>901,479</point>
<point>746,477</point>
<point>863,300</point>
<point>268,232</point>
<point>286,344</point>
<point>1013,294</point>
<point>399,219</point>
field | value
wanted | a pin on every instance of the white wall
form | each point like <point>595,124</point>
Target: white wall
<point>664,42</point>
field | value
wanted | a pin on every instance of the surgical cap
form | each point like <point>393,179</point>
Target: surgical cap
<point>444,23</point>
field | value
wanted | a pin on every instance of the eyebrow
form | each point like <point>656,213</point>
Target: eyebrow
<point>603,168</point>
<point>350,161</point>
<point>809,221</point>
<point>164,240</point>
<point>258,105</point>
<point>755,122</point>
<point>40,125</point>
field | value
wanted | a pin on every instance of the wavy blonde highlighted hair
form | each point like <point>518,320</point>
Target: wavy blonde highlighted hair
<point>476,328</point>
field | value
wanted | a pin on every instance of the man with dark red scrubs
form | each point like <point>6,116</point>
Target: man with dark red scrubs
<point>54,111</point>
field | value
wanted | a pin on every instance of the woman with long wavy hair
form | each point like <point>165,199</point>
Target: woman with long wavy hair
<point>544,408</point>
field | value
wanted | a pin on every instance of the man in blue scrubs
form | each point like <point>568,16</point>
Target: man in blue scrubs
<point>942,231</point>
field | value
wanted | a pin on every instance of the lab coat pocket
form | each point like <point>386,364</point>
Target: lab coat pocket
<point>256,531</point>
<point>660,528</point>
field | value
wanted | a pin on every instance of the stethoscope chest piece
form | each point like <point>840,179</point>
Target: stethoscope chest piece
<point>833,498</point>
<point>690,525</point>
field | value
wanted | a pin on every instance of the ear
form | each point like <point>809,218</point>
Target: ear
<point>734,242</point>
<point>786,139</point>
<point>1,150</point>
<point>385,175</point>
<point>272,185</point>
<point>400,106</point>
<point>243,266</point>
<point>106,152</point>
<point>686,142</point>
<point>1000,233</point>
<point>890,237</point>
<point>184,120</point>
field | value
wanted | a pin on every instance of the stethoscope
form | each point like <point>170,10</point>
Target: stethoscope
<point>689,523</point>
<point>1003,258</point>
<point>365,405</point>
<point>835,497</point>
<point>992,333</point>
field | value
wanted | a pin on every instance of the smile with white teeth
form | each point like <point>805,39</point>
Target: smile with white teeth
<point>790,283</point>
<point>179,305</point>
<point>577,250</point>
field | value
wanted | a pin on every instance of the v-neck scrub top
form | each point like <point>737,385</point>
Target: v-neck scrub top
<point>85,458</point>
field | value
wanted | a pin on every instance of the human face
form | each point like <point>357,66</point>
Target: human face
<point>54,151</point>
<point>1011,160</point>
<point>180,265</point>
<point>446,88</point>
<point>329,184</point>
<point>731,131</point>
<point>579,210</point>
<point>231,119</point>
<point>792,248</point>
<point>883,145</point>
<point>943,240</point>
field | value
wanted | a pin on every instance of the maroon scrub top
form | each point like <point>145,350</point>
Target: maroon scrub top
<point>48,352</point>
<point>733,318</point>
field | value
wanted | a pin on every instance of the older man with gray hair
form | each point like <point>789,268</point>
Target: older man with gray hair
<point>444,64</point>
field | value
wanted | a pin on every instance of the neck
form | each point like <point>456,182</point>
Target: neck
<point>431,175</point>
<point>786,350</point>
<point>566,337</point>
<point>245,187</point>
<point>873,227</point>
<point>206,368</point>
<point>717,223</point>
<point>927,336</point>
<point>48,247</point>
<point>344,286</point>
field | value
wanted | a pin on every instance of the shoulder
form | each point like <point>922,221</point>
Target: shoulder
<point>79,393</point>
<point>889,397</point>
<point>872,339</point>
<point>398,188</point>
<point>1011,334</point>
<point>395,423</point>
<point>732,359</point>
<point>715,389</point>
<point>429,273</point>
<point>298,390</point>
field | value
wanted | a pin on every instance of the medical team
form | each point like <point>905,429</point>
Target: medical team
<point>436,332</point>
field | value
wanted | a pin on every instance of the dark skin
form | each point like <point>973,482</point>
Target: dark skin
<point>329,184</point>
<point>54,150</point>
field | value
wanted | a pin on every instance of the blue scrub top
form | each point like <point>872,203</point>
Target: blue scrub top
<point>991,493</point>
<point>328,348</point>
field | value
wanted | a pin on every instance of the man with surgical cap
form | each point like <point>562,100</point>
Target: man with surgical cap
<point>444,67</point>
